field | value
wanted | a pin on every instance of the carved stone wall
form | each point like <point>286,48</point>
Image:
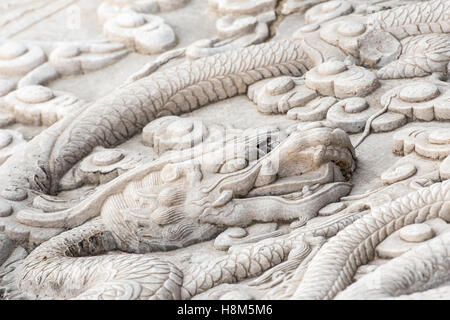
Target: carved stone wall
<point>224,149</point>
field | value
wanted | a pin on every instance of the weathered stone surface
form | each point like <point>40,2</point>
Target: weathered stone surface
<point>223,149</point>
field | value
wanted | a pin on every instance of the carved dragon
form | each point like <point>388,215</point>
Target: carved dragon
<point>74,265</point>
<point>170,208</point>
<point>183,88</point>
<point>124,112</point>
<point>333,268</point>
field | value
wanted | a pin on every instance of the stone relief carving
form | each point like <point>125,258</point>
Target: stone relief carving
<point>301,146</point>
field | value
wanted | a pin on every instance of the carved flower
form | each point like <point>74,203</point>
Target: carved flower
<point>24,64</point>
<point>236,26</point>
<point>40,105</point>
<point>233,32</point>
<point>301,101</point>
<point>175,133</point>
<point>410,237</point>
<point>428,142</point>
<point>105,165</point>
<point>280,94</point>
<point>241,23</point>
<point>350,114</point>
<point>315,110</point>
<point>80,58</point>
<point>230,26</point>
<point>144,33</point>
<point>335,78</point>
<point>419,100</point>
<point>217,148</point>
<point>17,59</point>
<point>344,34</point>
<point>372,47</point>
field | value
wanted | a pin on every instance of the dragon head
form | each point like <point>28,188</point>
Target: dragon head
<point>182,204</point>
